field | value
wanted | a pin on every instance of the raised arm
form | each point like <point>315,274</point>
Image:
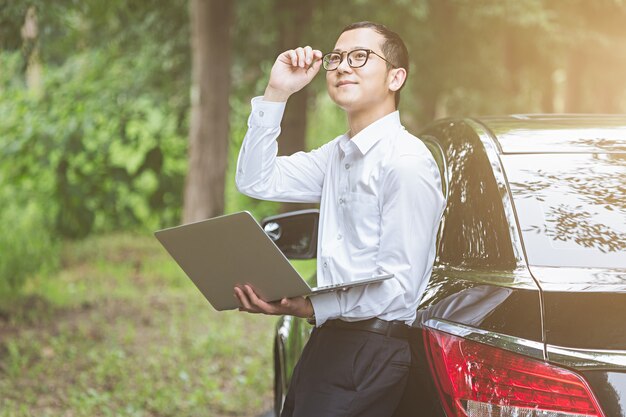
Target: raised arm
<point>260,173</point>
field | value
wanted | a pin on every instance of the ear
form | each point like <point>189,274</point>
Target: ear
<point>396,79</point>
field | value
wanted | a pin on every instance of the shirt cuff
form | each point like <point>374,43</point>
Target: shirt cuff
<point>266,113</point>
<point>325,306</point>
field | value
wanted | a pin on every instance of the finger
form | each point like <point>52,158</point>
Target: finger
<point>254,299</point>
<point>258,303</point>
<point>316,66</point>
<point>300,53</point>
<point>308,55</point>
<point>243,300</point>
<point>317,54</point>
<point>285,57</point>
<point>290,57</point>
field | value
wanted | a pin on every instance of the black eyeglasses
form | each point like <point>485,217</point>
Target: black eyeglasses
<point>356,59</point>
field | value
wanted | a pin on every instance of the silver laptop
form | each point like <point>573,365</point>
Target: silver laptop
<point>229,250</point>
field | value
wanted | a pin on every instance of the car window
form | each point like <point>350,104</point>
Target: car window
<point>474,228</point>
<point>571,208</point>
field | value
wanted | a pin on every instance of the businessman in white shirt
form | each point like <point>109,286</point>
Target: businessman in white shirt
<point>380,204</point>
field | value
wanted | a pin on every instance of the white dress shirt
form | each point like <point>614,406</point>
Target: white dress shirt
<point>380,206</point>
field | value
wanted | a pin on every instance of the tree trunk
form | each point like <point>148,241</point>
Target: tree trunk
<point>548,92</point>
<point>428,99</point>
<point>574,83</point>
<point>607,88</point>
<point>209,126</point>
<point>30,35</point>
<point>512,63</point>
<point>295,17</point>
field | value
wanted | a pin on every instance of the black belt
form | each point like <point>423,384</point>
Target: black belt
<point>388,328</point>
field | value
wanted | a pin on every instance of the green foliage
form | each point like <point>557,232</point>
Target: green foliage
<point>105,156</point>
<point>104,148</point>
<point>94,153</point>
<point>26,244</point>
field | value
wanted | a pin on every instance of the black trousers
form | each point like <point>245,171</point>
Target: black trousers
<point>348,373</point>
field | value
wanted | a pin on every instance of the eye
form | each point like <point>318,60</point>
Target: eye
<point>334,58</point>
<point>359,55</point>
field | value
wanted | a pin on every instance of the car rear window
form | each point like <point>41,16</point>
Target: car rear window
<point>571,207</point>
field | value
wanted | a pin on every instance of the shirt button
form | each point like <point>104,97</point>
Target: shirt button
<point>339,237</point>
<point>261,113</point>
<point>341,201</point>
<point>325,265</point>
<point>347,166</point>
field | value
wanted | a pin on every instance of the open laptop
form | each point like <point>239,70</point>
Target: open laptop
<point>229,250</point>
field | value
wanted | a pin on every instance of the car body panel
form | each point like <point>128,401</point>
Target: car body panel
<point>469,298</point>
<point>585,320</point>
<point>559,133</point>
<point>610,388</point>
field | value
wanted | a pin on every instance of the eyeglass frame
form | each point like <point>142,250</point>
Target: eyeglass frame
<point>369,51</point>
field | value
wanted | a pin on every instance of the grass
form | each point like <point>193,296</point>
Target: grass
<point>120,331</point>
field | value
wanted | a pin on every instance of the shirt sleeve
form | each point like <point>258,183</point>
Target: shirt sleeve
<point>262,174</point>
<point>412,203</point>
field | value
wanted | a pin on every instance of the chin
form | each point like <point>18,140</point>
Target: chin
<point>343,101</point>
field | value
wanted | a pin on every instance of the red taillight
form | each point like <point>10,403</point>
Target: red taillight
<point>477,380</point>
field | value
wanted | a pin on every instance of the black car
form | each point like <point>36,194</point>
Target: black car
<point>525,312</point>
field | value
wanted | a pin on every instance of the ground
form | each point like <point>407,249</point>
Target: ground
<point>121,331</point>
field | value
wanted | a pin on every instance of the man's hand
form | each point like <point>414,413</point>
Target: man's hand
<point>250,302</point>
<point>292,70</point>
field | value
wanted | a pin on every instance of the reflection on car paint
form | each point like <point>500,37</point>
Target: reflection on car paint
<point>580,279</point>
<point>572,208</point>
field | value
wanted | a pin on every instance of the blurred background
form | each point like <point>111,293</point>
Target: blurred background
<point>118,118</point>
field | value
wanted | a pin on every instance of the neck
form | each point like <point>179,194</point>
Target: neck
<point>359,120</point>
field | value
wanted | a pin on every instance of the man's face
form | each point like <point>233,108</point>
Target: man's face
<point>354,89</point>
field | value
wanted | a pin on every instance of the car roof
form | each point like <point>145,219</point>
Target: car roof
<point>541,133</point>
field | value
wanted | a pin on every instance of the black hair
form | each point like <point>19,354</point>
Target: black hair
<point>393,47</point>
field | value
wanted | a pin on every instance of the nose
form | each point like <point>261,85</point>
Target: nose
<point>344,67</point>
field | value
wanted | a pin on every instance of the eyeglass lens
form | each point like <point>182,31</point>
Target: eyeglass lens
<point>356,58</point>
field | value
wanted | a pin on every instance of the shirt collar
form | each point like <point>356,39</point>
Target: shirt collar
<point>368,137</point>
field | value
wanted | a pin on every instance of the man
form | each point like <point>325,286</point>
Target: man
<point>380,204</point>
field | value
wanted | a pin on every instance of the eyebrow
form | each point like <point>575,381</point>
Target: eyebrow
<point>356,47</point>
